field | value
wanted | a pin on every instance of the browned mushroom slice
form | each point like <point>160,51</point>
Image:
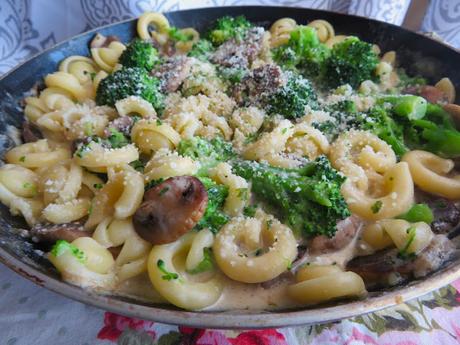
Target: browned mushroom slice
<point>432,94</point>
<point>30,132</point>
<point>101,41</point>
<point>50,233</point>
<point>381,268</point>
<point>170,209</point>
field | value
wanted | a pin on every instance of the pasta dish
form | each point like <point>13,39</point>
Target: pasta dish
<point>240,168</point>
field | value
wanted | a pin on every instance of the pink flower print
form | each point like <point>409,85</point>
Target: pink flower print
<point>259,337</point>
<point>115,324</point>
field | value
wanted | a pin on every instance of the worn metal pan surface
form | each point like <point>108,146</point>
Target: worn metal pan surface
<point>416,53</point>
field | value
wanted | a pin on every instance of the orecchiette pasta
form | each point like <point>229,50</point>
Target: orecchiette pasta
<point>316,284</point>
<point>406,240</point>
<point>431,173</point>
<point>71,84</point>
<point>76,122</point>
<point>68,211</point>
<point>156,20</point>
<point>19,191</point>
<point>270,146</point>
<point>356,153</point>
<point>37,154</point>
<point>152,135</point>
<point>281,31</point>
<point>135,105</point>
<point>132,259</point>
<point>81,67</point>
<point>164,164</point>
<point>399,194</point>
<point>119,197</point>
<point>93,269</point>
<point>323,28</point>
<point>238,242</point>
<point>97,158</point>
<point>238,188</point>
<point>307,141</point>
<point>107,57</point>
<point>180,289</point>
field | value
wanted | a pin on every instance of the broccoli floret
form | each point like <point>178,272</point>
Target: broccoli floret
<point>291,99</point>
<point>201,50</point>
<point>308,198</point>
<point>303,51</point>
<point>351,62</point>
<point>213,218</point>
<point>345,116</point>
<point>229,27</point>
<point>208,152</point>
<point>382,125</point>
<point>129,81</point>
<point>139,54</point>
<point>405,81</point>
<point>232,75</point>
<point>178,35</point>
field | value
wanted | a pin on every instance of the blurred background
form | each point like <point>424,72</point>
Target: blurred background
<point>29,26</point>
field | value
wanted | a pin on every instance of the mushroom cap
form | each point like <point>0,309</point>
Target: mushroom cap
<point>170,209</point>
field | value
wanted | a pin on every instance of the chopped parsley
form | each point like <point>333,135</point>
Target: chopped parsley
<point>138,165</point>
<point>98,185</point>
<point>166,274</point>
<point>243,193</point>
<point>376,207</point>
<point>92,75</point>
<point>269,223</point>
<point>403,253</point>
<point>62,246</point>
<point>163,191</point>
<point>250,211</point>
<point>22,158</point>
<point>117,139</point>
<point>31,186</point>
<point>207,264</point>
<point>159,122</point>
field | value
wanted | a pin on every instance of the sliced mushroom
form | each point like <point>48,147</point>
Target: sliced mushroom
<point>101,41</point>
<point>50,233</point>
<point>30,132</point>
<point>347,229</point>
<point>454,111</point>
<point>386,267</point>
<point>170,209</point>
<point>445,86</point>
<point>433,94</point>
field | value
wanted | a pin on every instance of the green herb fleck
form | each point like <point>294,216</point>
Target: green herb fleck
<point>159,122</point>
<point>207,264</point>
<point>376,207</point>
<point>137,165</point>
<point>92,75</point>
<point>98,185</point>
<point>164,190</point>
<point>243,193</point>
<point>22,158</point>
<point>250,211</point>
<point>269,223</point>
<point>166,274</point>
<point>88,129</point>
<point>62,246</point>
<point>403,253</point>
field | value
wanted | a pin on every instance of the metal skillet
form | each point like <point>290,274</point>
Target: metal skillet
<point>418,54</point>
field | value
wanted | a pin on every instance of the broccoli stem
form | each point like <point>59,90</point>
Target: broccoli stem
<point>408,106</point>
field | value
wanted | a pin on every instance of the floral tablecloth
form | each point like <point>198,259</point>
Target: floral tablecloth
<point>32,315</point>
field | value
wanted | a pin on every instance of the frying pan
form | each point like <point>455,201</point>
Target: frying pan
<point>416,53</point>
